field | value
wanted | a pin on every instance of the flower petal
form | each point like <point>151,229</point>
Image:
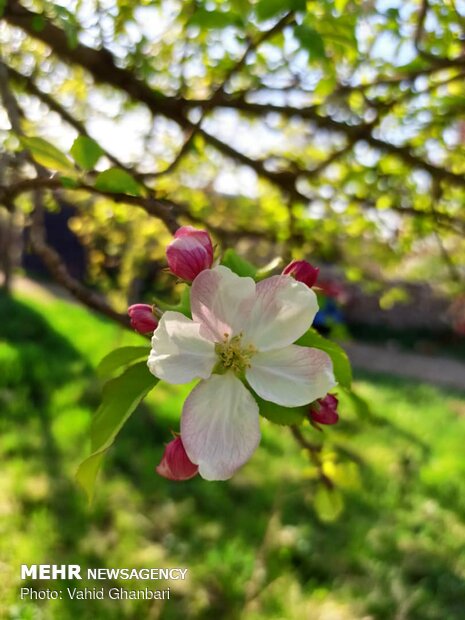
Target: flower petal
<point>220,301</point>
<point>179,353</point>
<point>220,426</point>
<point>283,311</point>
<point>292,376</point>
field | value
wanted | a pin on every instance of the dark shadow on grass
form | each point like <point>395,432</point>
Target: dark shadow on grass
<point>43,360</point>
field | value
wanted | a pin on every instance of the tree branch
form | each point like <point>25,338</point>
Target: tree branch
<point>353,132</point>
<point>102,67</point>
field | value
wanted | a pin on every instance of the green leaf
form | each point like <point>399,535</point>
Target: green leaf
<point>346,476</point>
<point>328,503</point>
<point>361,407</point>
<point>285,416</point>
<point>116,180</point>
<point>238,264</point>
<point>88,471</point>
<point>86,152</point>
<point>214,19</point>
<point>183,306</point>
<point>340,32</point>
<point>46,154</point>
<point>38,23</point>
<point>69,24</point>
<point>69,182</point>
<point>341,363</point>
<point>340,5</point>
<point>119,358</point>
<point>265,9</point>
<point>311,41</point>
<point>120,398</point>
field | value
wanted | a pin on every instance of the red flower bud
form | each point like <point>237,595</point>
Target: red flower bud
<point>175,464</point>
<point>189,253</point>
<point>302,272</point>
<point>324,410</point>
<point>142,319</point>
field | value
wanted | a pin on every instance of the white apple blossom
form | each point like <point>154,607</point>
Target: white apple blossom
<point>240,332</point>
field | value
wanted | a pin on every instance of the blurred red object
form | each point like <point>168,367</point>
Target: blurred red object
<point>333,289</point>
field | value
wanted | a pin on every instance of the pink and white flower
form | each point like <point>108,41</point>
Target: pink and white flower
<point>240,332</point>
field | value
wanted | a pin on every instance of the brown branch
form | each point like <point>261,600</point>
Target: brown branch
<point>286,20</point>
<point>447,258</point>
<point>410,76</point>
<point>353,132</point>
<point>161,208</point>
<point>253,46</point>
<point>13,111</point>
<point>420,29</point>
<point>102,67</point>
<point>100,63</point>
<point>420,32</point>
<point>314,452</point>
<point>164,210</point>
<point>285,180</point>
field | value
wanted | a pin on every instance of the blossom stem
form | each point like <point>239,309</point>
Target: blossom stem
<point>314,452</point>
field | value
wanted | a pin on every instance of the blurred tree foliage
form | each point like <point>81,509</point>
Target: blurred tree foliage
<point>332,129</point>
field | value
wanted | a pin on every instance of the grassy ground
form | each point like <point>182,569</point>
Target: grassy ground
<point>254,546</point>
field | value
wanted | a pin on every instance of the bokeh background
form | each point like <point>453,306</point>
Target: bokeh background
<point>332,131</point>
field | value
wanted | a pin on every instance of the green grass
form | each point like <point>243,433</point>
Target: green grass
<point>254,546</point>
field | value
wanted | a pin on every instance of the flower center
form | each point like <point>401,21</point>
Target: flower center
<point>233,355</point>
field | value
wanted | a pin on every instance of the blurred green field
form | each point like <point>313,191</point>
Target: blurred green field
<point>254,546</point>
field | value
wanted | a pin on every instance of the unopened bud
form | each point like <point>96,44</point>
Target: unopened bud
<point>142,319</point>
<point>190,252</point>
<point>324,410</point>
<point>302,271</point>
<point>175,464</point>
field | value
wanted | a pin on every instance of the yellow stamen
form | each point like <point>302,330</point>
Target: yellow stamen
<point>232,355</point>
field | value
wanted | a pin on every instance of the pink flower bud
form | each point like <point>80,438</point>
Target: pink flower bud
<point>142,319</point>
<point>175,464</point>
<point>324,410</point>
<point>189,253</point>
<point>302,272</point>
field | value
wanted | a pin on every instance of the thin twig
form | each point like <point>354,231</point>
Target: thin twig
<point>314,452</point>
